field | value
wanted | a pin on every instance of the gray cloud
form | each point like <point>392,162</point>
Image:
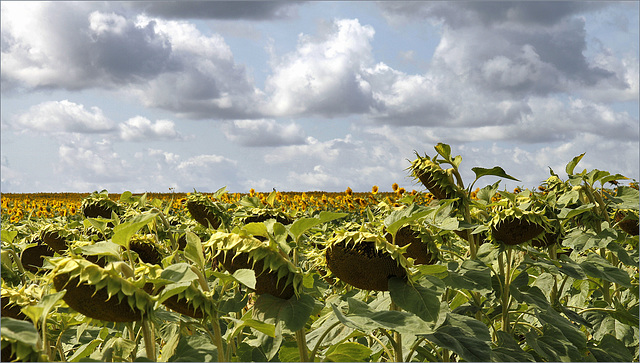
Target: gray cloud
<point>511,83</point>
<point>171,65</point>
<point>517,61</point>
<point>249,10</point>
<point>167,64</point>
<point>515,49</point>
<point>369,156</point>
<point>64,118</point>
<point>472,13</point>
<point>46,54</point>
<point>206,172</point>
<point>532,121</point>
<point>492,59</point>
<point>405,99</point>
<point>126,52</point>
<point>336,164</point>
<point>78,48</point>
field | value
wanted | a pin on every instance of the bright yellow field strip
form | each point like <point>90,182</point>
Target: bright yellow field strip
<point>17,206</point>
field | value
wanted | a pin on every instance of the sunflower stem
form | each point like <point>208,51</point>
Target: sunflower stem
<point>505,271</point>
<point>300,334</point>
<point>554,256</point>
<point>201,279</point>
<point>130,258</point>
<point>174,244</point>
<point>606,285</point>
<point>45,343</point>
<point>302,345</point>
<point>413,349</point>
<point>456,173</point>
<point>445,355</point>
<point>217,335</point>
<point>149,339</point>
<point>59,342</point>
<point>553,251</point>
<point>18,262</point>
<point>473,248</point>
<point>597,200</point>
<point>397,336</point>
<point>386,350</point>
<point>315,349</point>
<point>132,337</point>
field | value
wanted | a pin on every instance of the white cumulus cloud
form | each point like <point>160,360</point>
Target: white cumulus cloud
<point>263,132</point>
<point>63,116</point>
<point>140,128</point>
<point>322,76</point>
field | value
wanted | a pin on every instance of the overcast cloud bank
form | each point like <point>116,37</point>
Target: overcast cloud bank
<point>523,85</point>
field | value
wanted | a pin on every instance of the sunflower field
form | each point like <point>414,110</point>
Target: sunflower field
<point>452,272</point>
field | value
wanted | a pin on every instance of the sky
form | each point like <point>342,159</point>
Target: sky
<point>312,96</point>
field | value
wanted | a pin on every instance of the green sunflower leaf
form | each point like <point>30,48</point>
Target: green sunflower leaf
<point>193,250</point>
<point>598,267</point>
<point>293,312</point>
<point>572,164</point>
<point>123,232</point>
<point>495,171</point>
<point>422,301</point>
<point>467,337</point>
<point>246,277</point>
<point>348,352</point>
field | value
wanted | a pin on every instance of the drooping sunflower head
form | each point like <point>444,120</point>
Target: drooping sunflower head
<point>627,220</point>
<point>260,209</point>
<point>261,214</point>
<point>514,226</point>
<point>555,184</point>
<point>438,181</point>
<point>57,236</point>
<point>13,299</point>
<point>32,256</point>
<point>365,260</point>
<point>98,204</point>
<point>190,300</point>
<point>275,273</point>
<point>99,293</point>
<point>421,244</point>
<point>146,248</point>
<point>207,212</point>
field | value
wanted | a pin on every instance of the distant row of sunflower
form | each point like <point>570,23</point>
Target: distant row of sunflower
<point>18,206</point>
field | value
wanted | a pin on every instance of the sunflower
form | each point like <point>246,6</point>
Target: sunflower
<point>438,181</point>
<point>57,237</point>
<point>514,226</point>
<point>275,273</point>
<point>418,250</point>
<point>627,220</point>
<point>146,248</point>
<point>99,293</point>
<point>207,212</point>
<point>190,301</point>
<point>99,205</point>
<point>365,260</point>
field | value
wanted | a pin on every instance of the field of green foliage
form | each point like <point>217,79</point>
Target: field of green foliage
<point>456,272</point>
